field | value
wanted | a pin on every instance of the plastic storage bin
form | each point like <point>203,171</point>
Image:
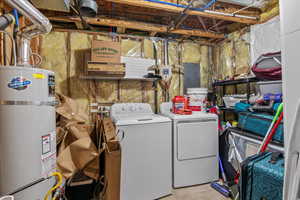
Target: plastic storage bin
<point>267,87</point>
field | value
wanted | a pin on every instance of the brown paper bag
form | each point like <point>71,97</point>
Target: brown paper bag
<point>77,152</point>
<point>112,170</point>
<point>109,129</point>
<point>69,109</point>
<point>80,155</point>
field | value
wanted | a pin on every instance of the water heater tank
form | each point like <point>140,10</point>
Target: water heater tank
<point>27,131</point>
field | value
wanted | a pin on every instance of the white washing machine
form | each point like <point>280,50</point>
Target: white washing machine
<point>195,147</point>
<point>145,138</point>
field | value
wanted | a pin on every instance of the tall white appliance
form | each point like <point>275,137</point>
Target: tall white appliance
<point>27,131</point>
<point>27,116</point>
<point>145,140</point>
<point>290,36</point>
<point>195,147</point>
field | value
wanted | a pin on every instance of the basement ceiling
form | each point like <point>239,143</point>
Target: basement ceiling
<point>125,13</point>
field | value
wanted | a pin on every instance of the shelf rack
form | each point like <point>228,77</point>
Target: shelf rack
<point>236,82</point>
<point>119,79</point>
<point>249,136</point>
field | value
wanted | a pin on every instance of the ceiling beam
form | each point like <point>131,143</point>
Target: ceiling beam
<point>138,26</point>
<point>79,25</point>
<point>152,34</point>
<point>170,8</point>
<point>121,29</point>
<point>200,19</point>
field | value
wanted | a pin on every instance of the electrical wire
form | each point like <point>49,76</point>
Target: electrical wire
<point>59,183</point>
<point>208,5</point>
<point>201,9</point>
<point>13,44</point>
<point>16,15</point>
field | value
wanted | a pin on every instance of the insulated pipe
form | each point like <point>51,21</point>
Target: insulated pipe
<point>41,25</point>
<point>5,21</point>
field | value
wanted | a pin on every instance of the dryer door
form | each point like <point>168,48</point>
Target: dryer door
<point>196,140</point>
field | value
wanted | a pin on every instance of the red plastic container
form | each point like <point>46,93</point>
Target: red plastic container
<point>180,105</point>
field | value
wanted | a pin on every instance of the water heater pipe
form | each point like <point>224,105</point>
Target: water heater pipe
<point>41,25</point>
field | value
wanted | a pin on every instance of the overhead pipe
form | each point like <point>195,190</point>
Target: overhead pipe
<point>229,14</point>
<point>88,8</point>
<point>41,25</point>
<point>203,10</point>
<point>6,20</point>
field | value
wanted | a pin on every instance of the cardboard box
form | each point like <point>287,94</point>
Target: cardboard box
<point>112,170</point>
<point>106,69</point>
<point>105,51</point>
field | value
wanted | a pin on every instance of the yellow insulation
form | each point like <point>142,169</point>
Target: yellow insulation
<point>64,53</point>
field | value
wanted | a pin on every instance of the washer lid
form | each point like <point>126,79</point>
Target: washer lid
<point>130,119</point>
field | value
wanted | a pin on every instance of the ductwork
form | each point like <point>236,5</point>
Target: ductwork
<point>88,8</point>
<point>41,25</point>
<point>6,20</point>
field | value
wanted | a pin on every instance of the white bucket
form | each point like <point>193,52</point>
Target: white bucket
<point>198,98</point>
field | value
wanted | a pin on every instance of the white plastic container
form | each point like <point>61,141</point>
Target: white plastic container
<point>197,98</point>
<point>231,100</point>
<point>267,87</point>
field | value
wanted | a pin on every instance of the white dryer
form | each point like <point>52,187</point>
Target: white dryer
<point>146,168</point>
<point>195,147</point>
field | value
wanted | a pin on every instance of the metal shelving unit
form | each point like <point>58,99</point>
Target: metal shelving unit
<point>119,79</point>
<point>223,84</point>
<point>255,139</point>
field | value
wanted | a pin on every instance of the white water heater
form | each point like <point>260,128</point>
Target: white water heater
<point>27,132</point>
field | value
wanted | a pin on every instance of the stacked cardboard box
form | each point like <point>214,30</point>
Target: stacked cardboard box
<point>105,59</point>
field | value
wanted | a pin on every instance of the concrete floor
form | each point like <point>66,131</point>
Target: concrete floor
<point>202,192</point>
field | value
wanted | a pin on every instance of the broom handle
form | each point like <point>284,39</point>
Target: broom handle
<point>279,110</point>
<point>222,170</point>
<point>272,133</point>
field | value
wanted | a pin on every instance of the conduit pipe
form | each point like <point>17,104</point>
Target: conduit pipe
<point>202,10</point>
<point>41,25</point>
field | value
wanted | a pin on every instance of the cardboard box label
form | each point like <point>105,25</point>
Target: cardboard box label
<point>104,51</point>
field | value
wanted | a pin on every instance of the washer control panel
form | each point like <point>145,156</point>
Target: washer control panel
<point>130,108</point>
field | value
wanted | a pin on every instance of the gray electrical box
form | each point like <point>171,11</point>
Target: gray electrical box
<point>191,75</point>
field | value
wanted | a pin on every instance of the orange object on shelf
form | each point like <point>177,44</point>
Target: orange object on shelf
<point>181,105</point>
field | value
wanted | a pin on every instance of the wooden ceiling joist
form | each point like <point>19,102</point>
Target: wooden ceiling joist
<point>200,19</point>
<point>170,8</point>
<point>152,34</point>
<point>121,29</point>
<point>138,26</point>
